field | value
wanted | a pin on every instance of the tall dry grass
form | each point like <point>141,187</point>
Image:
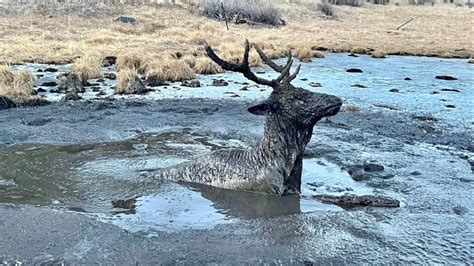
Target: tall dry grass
<point>17,87</point>
<point>87,67</point>
<point>53,37</point>
<point>169,69</point>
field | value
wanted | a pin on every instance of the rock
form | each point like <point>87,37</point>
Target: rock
<point>191,84</point>
<point>95,89</point>
<point>244,88</point>
<point>219,83</point>
<point>394,90</point>
<point>425,118</point>
<point>125,20</point>
<point>386,106</point>
<point>304,79</point>
<point>49,84</point>
<point>353,55</point>
<point>100,80</point>
<point>354,70</point>
<point>40,90</point>
<point>109,61</point>
<point>155,81</point>
<point>38,121</point>
<point>373,167</point>
<point>315,84</point>
<point>428,128</point>
<point>415,173</point>
<point>6,103</point>
<point>460,210</point>
<point>260,72</point>
<point>316,184</point>
<point>359,86</point>
<point>450,90</point>
<point>111,76</point>
<point>450,106</point>
<point>471,61</point>
<point>71,83</point>
<point>136,86</point>
<point>71,96</point>
<point>50,70</point>
<point>358,50</point>
<point>445,77</point>
<point>357,173</point>
<point>407,78</point>
<point>352,201</point>
<point>434,92</point>
<point>101,93</point>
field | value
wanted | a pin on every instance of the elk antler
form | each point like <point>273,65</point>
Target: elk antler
<point>244,67</point>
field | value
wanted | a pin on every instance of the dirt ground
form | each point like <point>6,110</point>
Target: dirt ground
<point>48,35</point>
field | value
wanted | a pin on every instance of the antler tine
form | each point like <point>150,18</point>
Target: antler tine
<point>293,76</point>
<point>224,64</point>
<point>242,68</point>
<point>284,74</point>
<point>267,60</point>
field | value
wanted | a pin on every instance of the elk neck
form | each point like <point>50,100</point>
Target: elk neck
<point>283,140</point>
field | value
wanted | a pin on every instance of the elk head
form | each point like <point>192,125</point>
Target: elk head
<point>291,112</point>
<point>297,105</point>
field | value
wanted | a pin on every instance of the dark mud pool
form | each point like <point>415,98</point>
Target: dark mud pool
<point>71,190</point>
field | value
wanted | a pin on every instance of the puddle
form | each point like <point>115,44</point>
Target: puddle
<point>103,180</point>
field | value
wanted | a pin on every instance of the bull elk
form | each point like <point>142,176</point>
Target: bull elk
<point>275,164</point>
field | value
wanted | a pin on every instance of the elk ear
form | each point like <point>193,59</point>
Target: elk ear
<point>260,109</point>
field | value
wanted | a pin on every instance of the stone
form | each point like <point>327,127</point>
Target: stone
<point>219,83</point>
<point>71,83</point>
<point>353,201</point>
<point>154,81</point>
<point>354,70</point>
<point>359,86</point>
<point>109,61</point>
<point>191,84</point>
<point>315,84</point>
<point>446,77</point>
<point>111,76</point>
<point>373,167</point>
<point>394,90</point>
<point>450,90</point>
<point>460,210</point>
<point>71,96</point>
<point>50,70</point>
<point>407,78</point>
<point>49,84</point>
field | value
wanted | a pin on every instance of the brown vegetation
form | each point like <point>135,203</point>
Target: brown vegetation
<point>17,87</point>
<point>51,37</point>
<point>87,67</point>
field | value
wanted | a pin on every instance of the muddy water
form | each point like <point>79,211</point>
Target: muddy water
<point>98,183</point>
<point>103,180</point>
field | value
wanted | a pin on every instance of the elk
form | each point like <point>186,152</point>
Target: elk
<point>275,164</point>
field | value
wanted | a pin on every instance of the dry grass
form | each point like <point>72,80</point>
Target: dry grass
<point>51,37</point>
<point>358,50</point>
<point>205,65</point>
<point>87,67</point>
<point>379,54</point>
<point>18,87</point>
<point>125,79</point>
<point>131,60</point>
<point>169,69</point>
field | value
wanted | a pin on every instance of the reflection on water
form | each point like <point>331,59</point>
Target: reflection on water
<point>102,179</point>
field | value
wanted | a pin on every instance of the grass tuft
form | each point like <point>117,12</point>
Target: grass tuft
<point>169,69</point>
<point>125,79</point>
<point>379,54</point>
<point>87,67</point>
<point>358,50</point>
<point>205,65</point>
<point>17,87</point>
<point>131,60</point>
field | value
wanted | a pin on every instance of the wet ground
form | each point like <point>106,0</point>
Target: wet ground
<point>71,191</point>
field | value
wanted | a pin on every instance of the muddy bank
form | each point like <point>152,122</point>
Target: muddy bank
<point>101,121</point>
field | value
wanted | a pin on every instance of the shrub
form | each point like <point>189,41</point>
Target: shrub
<point>325,8</point>
<point>347,2</point>
<point>87,67</point>
<point>243,10</point>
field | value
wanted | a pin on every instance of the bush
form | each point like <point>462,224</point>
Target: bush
<point>243,11</point>
<point>347,2</point>
<point>325,8</point>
